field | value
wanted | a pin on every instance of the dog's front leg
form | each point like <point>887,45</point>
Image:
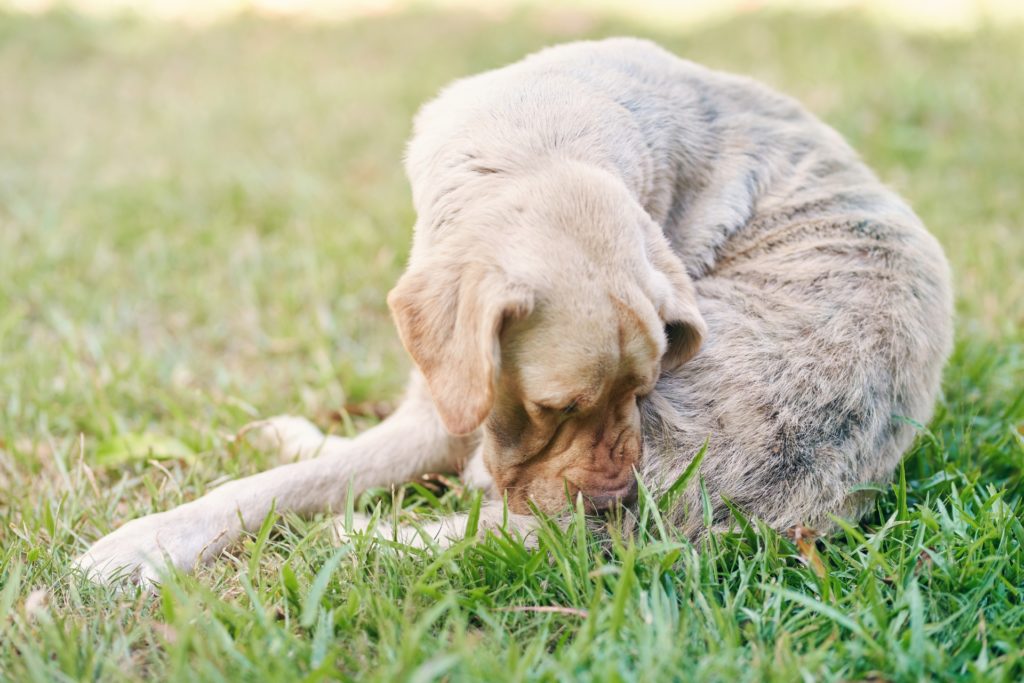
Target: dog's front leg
<point>494,518</point>
<point>407,445</point>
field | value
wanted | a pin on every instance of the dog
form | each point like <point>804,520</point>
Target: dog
<point>620,256</point>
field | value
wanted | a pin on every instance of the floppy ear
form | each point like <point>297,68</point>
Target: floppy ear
<point>684,325</point>
<point>450,319</point>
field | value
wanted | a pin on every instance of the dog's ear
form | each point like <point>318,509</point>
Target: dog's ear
<point>684,325</point>
<point>450,319</point>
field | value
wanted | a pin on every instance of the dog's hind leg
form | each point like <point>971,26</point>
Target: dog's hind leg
<point>447,530</point>
<point>291,438</point>
<point>408,444</point>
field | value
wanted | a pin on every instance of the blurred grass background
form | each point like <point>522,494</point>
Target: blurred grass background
<point>206,215</point>
<point>199,220</point>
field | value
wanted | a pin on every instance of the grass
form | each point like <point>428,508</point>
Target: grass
<point>198,227</point>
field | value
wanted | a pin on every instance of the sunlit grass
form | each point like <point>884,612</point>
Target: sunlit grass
<point>944,16</point>
<point>198,227</point>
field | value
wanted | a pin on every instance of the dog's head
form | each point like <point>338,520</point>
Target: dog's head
<point>545,316</point>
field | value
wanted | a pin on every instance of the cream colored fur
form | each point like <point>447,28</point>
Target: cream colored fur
<point>621,252</point>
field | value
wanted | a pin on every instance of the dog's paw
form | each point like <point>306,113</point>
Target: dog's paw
<point>289,436</point>
<point>360,525</point>
<point>139,552</point>
<point>363,525</point>
<point>443,532</point>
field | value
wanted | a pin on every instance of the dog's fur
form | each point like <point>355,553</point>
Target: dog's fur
<point>619,255</point>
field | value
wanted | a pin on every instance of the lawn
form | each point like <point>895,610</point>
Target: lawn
<point>198,227</point>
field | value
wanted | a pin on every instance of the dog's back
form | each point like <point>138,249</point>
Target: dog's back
<point>829,314</point>
<point>829,321</point>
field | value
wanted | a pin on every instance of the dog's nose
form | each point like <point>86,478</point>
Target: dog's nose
<point>603,500</point>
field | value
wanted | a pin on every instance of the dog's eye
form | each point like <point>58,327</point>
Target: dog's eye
<point>561,413</point>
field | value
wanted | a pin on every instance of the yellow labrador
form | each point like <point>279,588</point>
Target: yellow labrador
<point>618,255</point>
